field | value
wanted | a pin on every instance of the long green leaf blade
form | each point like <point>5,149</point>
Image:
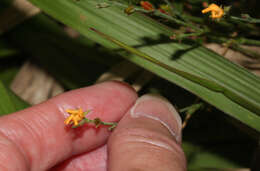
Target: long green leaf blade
<point>254,106</point>
<point>136,29</point>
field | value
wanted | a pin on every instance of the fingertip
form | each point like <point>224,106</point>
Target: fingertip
<point>148,137</point>
<point>156,107</point>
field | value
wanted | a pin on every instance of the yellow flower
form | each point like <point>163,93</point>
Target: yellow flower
<point>75,116</point>
<point>216,11</point>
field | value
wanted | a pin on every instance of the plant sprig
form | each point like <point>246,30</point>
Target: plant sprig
<point>78,118</point>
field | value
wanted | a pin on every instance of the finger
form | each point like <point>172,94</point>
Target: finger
<point>95,160</point>
<point>37,138</point>
<point>147,138</point>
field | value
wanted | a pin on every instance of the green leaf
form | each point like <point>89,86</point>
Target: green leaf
<point>210,84</point>
<point>152,38</point>
<point>9,102</point>
<point>199,157</point>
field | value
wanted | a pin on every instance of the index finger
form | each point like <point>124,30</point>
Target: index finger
<point>37,138</point>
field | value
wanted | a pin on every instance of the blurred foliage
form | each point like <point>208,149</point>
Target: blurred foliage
<point>61,51</point>
<point>9,102</point>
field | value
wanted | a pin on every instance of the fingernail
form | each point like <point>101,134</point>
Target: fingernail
<point>160,109</point>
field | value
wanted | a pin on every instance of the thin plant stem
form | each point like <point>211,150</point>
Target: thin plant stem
<point>177,21</point>
<point>174,12</point>
<point>158,13</point>
<point>189,111</point>
<point>235,45</point>
<point>246,41</point>
<point>98,122</point>
<point>246,18</point>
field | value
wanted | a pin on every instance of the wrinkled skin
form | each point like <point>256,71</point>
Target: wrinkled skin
<point>37,139</point>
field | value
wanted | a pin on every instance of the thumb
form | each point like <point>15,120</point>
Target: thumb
<point>147,138</point>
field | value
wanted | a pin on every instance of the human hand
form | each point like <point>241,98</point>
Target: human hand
<point>148,136</point>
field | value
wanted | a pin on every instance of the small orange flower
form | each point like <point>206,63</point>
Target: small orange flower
<point>147,5</point>
<point>216,11</point>
<point>75,116</point>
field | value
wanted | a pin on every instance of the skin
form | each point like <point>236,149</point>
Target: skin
<point>37,139</point>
